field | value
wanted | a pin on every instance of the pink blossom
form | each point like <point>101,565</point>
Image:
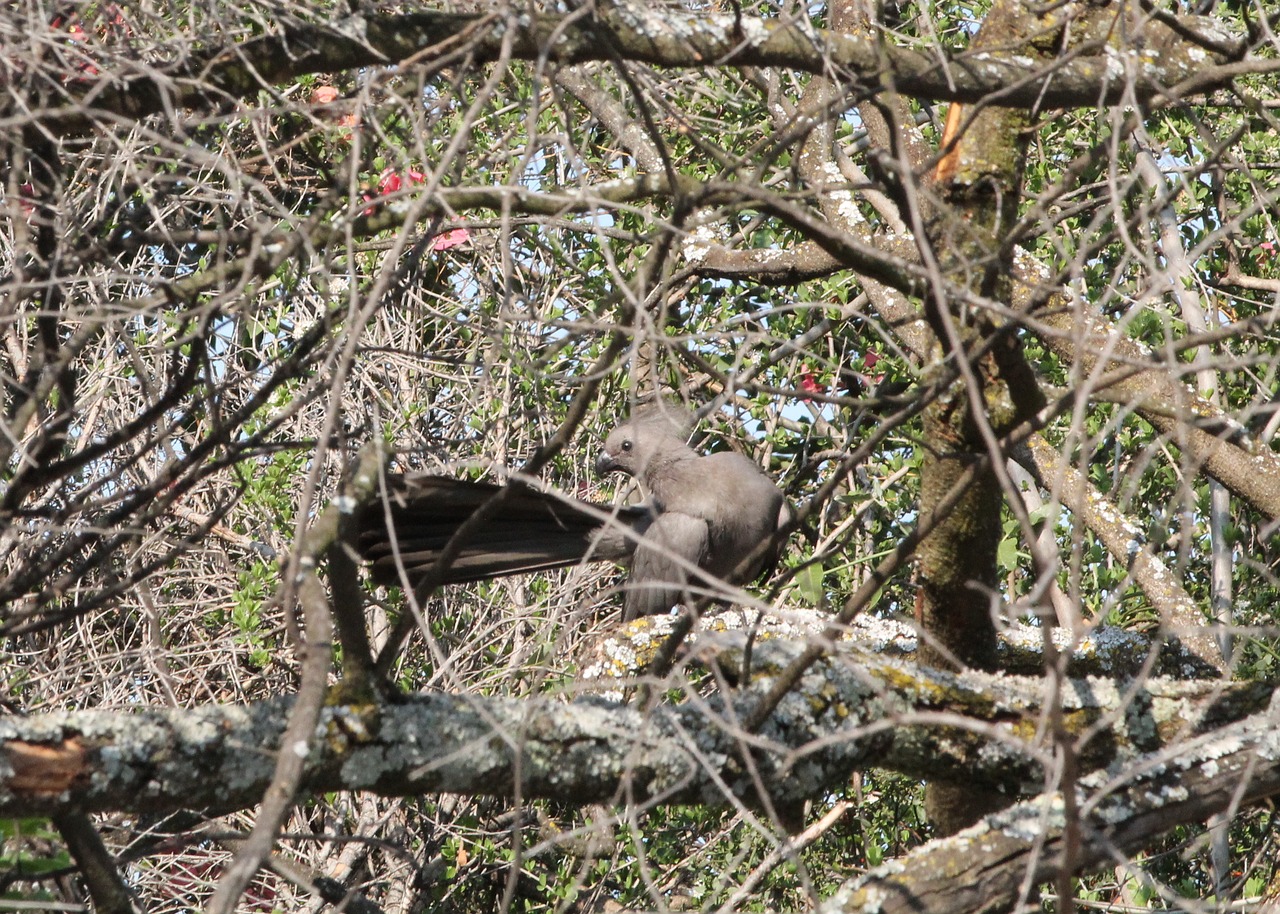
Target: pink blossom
<point>389,183</point>
<point>450,239</point>
<point>323,95</point>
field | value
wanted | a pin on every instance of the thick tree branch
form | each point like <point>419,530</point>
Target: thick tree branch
<point>985,867</point>
<point>850,710</point>
<point>107,887</point>
<point>645,34</point>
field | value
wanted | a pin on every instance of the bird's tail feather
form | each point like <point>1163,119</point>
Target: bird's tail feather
<point>405,536</point>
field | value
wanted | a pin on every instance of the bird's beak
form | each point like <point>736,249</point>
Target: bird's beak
<point>605,464</point>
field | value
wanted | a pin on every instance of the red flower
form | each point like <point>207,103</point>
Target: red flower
<point>392,182</point>
<point>809,384</point>
<point>27,195</point>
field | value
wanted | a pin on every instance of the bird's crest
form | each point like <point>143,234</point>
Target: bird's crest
<point>668,416</point>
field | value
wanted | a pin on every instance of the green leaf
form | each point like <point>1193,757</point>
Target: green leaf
<point>809,583</point>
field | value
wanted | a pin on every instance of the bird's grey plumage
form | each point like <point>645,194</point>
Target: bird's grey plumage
<point>706,520</point>
<point>711,515</point>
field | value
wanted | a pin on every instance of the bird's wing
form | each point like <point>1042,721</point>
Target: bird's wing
<point>666,559</point>
<point>739,504</point>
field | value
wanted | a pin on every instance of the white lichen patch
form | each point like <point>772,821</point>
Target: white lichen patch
<point>1114,812</point>
<point>341,724</point>
<point>1221,747</point>
<point>1027,821</point>
<point>1166,795</point>
<point>1114,62</point>
<point>749,29</point>
<point>1269,746</point>
<point>834,187</point>
<point>1215,30</point>
<point>705,32</point>
<point>1029,263</point>
<point>883,636</point>
<point>993,754</point>
<point>698,243</point>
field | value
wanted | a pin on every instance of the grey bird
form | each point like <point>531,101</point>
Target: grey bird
<point>709,520</point>
<point>710,516</point>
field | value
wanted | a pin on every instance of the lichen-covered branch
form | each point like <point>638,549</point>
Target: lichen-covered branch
<point>985,867</point>
<point>1098,73</point>
<point>851,710</point>
<point>1106,652</point>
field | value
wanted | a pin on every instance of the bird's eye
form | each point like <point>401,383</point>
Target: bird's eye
<point>626,445</point>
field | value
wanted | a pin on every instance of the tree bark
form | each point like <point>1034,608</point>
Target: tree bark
<point>853,709</point>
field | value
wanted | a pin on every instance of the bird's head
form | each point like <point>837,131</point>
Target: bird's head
<point>643,444</point>
<point>620,454</point>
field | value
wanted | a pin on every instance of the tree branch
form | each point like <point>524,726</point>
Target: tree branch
<point>984,868</point>
<point>644,34</point>
<point>850,710</point>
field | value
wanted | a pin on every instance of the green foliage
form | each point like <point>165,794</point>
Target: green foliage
<point>698,854</point>
<point>29,850</point>
<point>1178,870</point>
<point>251,631</point>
